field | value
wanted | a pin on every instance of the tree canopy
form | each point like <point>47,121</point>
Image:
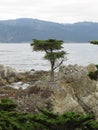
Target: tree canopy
<point>47,45</point>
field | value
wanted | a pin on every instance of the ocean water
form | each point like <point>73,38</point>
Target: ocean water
<point>21,56</point>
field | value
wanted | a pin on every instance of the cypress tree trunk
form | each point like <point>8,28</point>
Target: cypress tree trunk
<point>52,72</point>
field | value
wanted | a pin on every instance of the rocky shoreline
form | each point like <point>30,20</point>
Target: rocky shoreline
<point>72,90</point>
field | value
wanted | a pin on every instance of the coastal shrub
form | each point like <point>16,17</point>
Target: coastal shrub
<point>7,105</point>
<point>67,121</point>
<point>94,75</point>
<point>12,120</point>
<point>45,120</point>
<point>96,66</point>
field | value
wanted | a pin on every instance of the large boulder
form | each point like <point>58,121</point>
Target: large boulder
<point>91,68</point>
<point>72,73</point>
<point>7,74</point>
<point>7,71</point>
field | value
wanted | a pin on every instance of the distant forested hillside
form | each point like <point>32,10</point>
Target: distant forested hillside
<point>24,30</point>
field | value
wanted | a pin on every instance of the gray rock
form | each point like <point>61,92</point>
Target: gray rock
<point>72,90</point>
<point>7,75</point>
<point>80,90</point>
<point>91,68</point>
<point>7,71</point>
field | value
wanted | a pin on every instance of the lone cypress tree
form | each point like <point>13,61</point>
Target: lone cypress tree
<point>53,52</point>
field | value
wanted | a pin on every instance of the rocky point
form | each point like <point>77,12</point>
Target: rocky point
<point>72,90</point>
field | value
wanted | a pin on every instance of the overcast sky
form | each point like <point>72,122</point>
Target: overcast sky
<point>62,11</point>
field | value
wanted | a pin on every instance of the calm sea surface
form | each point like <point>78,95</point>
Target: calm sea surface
<point>21,56</point>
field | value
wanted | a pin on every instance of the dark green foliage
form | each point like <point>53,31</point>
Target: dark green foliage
<point>92,125</point>
<point>54,55</point>
<point>47,45</point>
<point>7,105</point>
<point>96,66</point>
<point>94,42</point>
<point>67,121</point>
<point>11,120</point>
<point>17,121</point>
<point>94,75</point>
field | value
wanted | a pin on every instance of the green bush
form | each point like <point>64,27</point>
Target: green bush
<point>67,121</point>
<point>7,105</point>
<point>94,75</point>
<point>12,120</point>
<point>96,66</point>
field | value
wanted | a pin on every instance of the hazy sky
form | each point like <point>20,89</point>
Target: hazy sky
<point>62,11</point>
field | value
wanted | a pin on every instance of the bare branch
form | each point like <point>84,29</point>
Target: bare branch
<point>59,63</point>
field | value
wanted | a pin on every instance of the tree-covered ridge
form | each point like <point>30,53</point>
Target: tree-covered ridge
<point>22,30</point>
<point>45,120</point>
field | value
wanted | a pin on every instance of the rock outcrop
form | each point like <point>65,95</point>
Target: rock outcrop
<point>72,90</point>
<point>7,75</point>
<point>77,92</point>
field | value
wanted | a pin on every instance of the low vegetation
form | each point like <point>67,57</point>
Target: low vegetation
<point>45,120</point>
<point>94,75</point>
